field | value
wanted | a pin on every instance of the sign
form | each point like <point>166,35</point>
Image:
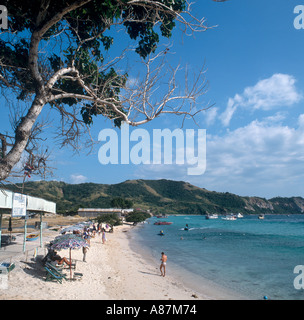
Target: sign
<point>19,205</point>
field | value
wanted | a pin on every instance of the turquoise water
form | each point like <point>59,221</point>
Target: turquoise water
<point>253,257</point>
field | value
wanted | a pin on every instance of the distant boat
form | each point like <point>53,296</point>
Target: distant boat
<point>212,216</point>
<point>261,216</point>
<point>239,215</point>
<point>230,217</point>
<point>32,237</point>
<point>162,216</point>
<point>159,223</point>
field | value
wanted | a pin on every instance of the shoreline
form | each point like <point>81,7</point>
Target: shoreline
<point>113,271</point>
<point>204,289</point>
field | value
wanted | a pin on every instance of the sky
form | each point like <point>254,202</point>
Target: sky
<point>253,59</point>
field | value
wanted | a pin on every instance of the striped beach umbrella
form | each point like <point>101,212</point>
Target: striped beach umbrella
<point>68,241</point>
<point>71,229</point>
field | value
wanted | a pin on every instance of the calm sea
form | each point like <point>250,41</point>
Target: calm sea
<point>255,258</point>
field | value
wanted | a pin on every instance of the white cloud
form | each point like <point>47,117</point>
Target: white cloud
<point>264,158</point>
<point>211,115</point>
<point>77,178</point>
<point>260,158</point>
<point>267,94</point>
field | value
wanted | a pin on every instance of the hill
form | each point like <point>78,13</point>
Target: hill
<point>160,196</point>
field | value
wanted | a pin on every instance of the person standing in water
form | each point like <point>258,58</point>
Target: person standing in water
<point>162,267</point>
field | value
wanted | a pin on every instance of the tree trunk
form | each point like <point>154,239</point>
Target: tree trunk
<point>22,135</point>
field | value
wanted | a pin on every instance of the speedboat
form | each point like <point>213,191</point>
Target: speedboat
<point>212,216</point>
<point>229,217</point>
<point>239,215</point>
<point>160,223</point>
<point>261,216</point>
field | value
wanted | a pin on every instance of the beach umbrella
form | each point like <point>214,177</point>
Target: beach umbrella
<point>68,241</point>
<point>71,229</point>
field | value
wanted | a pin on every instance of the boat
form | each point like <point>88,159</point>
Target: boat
<point>212,216</point>
<point>229,217</point>
<point>239,215</point>
<point>160,223</point>
<point>8,266</point>
<point>32,237</point>
<point>261,216</point>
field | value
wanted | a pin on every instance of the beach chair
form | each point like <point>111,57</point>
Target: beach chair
<point>51,274</point>
<point>57,269</point>
<point>63,265</point>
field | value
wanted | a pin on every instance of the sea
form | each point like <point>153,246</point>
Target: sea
<point>257,259</point>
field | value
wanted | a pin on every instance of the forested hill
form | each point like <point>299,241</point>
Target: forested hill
<point>160,196</point>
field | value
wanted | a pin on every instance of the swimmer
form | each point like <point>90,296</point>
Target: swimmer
<point>162,267</point>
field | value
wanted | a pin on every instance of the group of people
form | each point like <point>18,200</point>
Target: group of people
<point>87,234</point>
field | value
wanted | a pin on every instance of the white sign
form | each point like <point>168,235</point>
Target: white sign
<point>19,205</point>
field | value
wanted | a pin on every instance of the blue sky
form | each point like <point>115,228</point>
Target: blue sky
<point>255,130</point>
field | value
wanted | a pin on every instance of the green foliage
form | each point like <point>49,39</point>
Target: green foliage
<point>160,196</point>
<point>121,203</point>
<point>137,216</point>
<point>81,38</point>
<point>109,218</point>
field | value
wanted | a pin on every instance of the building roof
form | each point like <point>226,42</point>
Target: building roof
<point>10,200</point>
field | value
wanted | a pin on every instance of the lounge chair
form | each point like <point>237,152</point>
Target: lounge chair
<point>63,265</point>
<point>51,274</point>
<point>57,269</point>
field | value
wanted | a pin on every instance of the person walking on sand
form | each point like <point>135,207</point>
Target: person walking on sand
<point>103,236</point>
<point>162,267</point>
<point>84,251</point>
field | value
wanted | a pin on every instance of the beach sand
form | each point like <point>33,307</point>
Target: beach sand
<point>112,271</point>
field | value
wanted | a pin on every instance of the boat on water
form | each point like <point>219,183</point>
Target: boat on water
<point>160,223</point>
<point>212,216</point>
<point>261,216</point>
<point>230,217</point>
<point>239,215</point>
<point>32,237</point>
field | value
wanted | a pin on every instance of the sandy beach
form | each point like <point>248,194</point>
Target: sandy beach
<point>112,271</point>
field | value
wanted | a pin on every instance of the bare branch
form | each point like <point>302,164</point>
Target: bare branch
<point>97,87</point>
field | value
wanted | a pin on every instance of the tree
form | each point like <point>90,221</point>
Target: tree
<point>121,203</point>
<point>54,54</point>
<point>109,218</point>
<point>137,217</point>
